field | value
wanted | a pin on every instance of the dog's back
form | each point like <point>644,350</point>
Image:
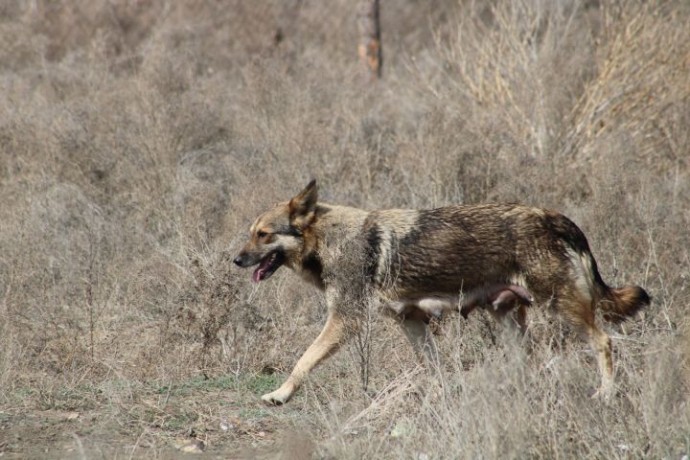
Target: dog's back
<point>458,248</point>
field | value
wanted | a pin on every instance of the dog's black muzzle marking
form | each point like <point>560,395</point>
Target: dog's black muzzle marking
<point>244,261</point>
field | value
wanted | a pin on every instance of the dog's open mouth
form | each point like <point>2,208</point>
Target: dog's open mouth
<point>268,266</point>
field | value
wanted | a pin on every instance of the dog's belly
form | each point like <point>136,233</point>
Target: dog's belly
<point>498,295</point>
<point>432,306</point>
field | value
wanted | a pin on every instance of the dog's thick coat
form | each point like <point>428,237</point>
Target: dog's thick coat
<point>418,264</point>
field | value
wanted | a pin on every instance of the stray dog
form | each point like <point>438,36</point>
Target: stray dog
<point>418,264</point>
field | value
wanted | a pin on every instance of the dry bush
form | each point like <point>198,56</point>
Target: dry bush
<point>139,139</point>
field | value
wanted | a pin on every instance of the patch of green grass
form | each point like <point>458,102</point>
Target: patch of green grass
<point>82,397</point>
<point>199,384</point>
<point>255,384</point>
<point>23,393</point>
<point>262,383</point>
<point>179,422</point>
<point>253,413</point>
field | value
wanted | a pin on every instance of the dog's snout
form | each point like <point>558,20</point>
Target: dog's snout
<point>239,261</point>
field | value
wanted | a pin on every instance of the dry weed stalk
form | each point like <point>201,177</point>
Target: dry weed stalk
<point>638,42</point>
<point>386,399</point>
<point>363,337</point>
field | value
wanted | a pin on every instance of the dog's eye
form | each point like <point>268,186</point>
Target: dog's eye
<point>261,234</point>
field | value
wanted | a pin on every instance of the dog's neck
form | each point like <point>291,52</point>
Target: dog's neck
<point>333,225</point>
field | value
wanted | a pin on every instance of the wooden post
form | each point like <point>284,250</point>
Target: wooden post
<point>369,47</point>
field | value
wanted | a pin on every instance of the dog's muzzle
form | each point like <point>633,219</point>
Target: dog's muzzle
<point>246,259</point>
<point>242,260</point>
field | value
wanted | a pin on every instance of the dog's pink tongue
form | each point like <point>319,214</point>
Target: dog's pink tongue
<point>261,270</point>
<point>256,276</point>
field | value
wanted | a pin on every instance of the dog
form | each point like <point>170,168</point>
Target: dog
<point>418,264</point>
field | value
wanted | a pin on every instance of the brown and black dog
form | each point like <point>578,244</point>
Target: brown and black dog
<point>417,264</point>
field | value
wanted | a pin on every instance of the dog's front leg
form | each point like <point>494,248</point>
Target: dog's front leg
<point>327,343</point>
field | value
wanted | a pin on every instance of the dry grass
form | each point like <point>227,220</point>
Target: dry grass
<point>138,140</point>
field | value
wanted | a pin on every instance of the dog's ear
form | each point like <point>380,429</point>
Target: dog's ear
<point>303,206</point>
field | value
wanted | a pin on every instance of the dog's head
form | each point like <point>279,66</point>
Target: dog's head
<point>277,236</point>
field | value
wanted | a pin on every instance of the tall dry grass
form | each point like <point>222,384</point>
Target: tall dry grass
<point>139,139</point>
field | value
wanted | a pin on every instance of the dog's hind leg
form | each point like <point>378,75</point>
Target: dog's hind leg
<point>329,340</point>
<point>578,310</point>
<point>421,338</point>
<point>601,343</point>
<point>513,319</point>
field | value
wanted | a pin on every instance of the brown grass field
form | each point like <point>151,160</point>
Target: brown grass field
<point>139,139</point>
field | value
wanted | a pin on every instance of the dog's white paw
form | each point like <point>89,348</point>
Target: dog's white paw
<point>280,396</point>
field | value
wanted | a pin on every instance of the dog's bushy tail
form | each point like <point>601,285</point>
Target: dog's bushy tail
<point>617,304</point>
<point>621,303</point>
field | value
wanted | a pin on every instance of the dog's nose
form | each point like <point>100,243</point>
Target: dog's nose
<point>238,261</point>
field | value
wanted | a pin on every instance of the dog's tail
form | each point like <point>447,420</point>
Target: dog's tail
<point>621,303</point>
<point>617,304</point>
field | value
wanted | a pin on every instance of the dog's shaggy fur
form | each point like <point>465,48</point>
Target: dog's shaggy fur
<point>418,264</point>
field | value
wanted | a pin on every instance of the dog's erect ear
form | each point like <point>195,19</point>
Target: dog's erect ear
<point>303,206</point>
